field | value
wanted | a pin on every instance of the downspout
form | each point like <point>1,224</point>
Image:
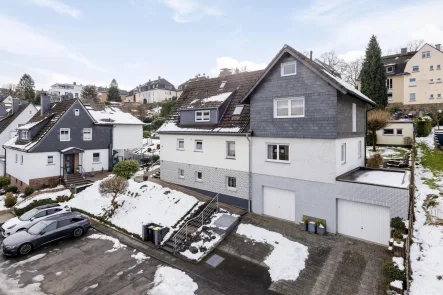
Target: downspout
<point>111,155</point>
<point>250,173</point>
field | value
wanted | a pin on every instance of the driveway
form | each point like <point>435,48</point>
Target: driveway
<point>336,265</point>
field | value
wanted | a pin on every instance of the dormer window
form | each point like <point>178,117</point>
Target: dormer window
<point>426,54</point>
<point>222,84</point>
<point>202,116</point>
<point>390,69</point>
<point>288,68</point>
<point>238,110</point>
<point>24,134</point>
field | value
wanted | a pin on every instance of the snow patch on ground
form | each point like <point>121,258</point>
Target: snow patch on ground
<point>140,257</point>
<point>38,278</point>
<point>2,202</point>
<point>286,260</point>
<point>30,259</point>
<point>117,245</point>
<point>12,286</point>
<point>90,287</point>
<point>171,281</point>
<point>399,261</point>
<point>58,273</point>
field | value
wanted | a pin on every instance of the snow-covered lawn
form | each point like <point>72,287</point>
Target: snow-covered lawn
<point>287,258</point>
<point>387,152</point>
<point>48,195</point>
<point>142,203</point>
<point>427,246</point>
<point>171,281</point>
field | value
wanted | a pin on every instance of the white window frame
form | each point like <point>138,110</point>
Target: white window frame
<point>343,153</point>
<point>418,68</point>
<point>390,96</point>
<point>198,179</point>
<point>195,145</point>
<point>178,144</point>
<point>228,186</point>
<point>69,134</point>
<point>354,117</point>
<point>16,158</point>
<point>200,116</point>
<point>393,132</point>
<point>431,67</point>
<point>288,64</point>
<point>389,83</point>
<point>77,112</point>
<point>23,133</point>
<point>93,161</point>
<point>289,101</point>
<point>389,69</point>
<point>431,96</point>
<point>396,131</point>
<point>438,67</point>
<point>21,159</point>
<point>412,82</point>
<point>181,173</point>
<point>360,149</point>
<point>438,80</point>
<point>410,96</point>
<point>50,162</point>
<point>426,54</point>
<point>278,154</point>
<point>227,150</point>
<point>90,132</point>
<point>431,81</point>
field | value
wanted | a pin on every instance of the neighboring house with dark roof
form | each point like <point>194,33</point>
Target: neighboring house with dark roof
<point>288,142</point>
<point>103,94</point>
<point>18,115</point>
<point>156,91</point>
<point>63,141</point>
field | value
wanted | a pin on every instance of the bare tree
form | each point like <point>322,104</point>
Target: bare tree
<point>113,187</point>
<point>415,45</point>
<point>351,72</point>
<point>331,59</point>
<point>377,119</point>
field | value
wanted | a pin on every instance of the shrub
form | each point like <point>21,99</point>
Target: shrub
<point>397,223</point>
<point>12,189</point>
<point>407,141</point>
<point>398,235</point>
<point>391,271</point>
<point>149,150</point>
<point>319,222</point>
<point>424,126</point>
<point>113,187</point>
<point>28,191</point>
<point>146,134</point>
<point>10,200</point>
<point>158,146</point>
<point>4,181</point>
<point>155,158</point>
<point>305,220</point>
<point>36,203</point>
<point>126,168</point>
<point>375,161</point>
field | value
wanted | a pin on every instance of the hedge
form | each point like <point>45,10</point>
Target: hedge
<point>4,181</point>
<point>424,126</point>
<point>126,168</point>
<point>36,203</point>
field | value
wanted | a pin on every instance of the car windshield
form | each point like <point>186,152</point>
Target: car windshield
<point>26,216</point>
<point>38,227</point>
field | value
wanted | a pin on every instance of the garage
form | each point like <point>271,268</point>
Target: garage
<point>364,221</point>
<point>279,203</point>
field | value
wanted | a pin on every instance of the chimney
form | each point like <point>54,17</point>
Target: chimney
<point>45,104</point>
<point>404,50</point>
<point>75,83</point>
<point>438,46</point>
<point>310,54</point>
<point>159,77</point>
<point>15,105</point>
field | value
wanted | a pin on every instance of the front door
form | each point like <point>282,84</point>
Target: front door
<point>69,163</point>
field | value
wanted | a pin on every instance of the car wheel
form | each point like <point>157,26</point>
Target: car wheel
<point>78,232</point>
<point>25,249</point>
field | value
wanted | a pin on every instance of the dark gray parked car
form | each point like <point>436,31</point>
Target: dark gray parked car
<point>51,229</point>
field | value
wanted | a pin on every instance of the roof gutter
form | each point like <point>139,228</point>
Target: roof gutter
<point>205,133</point>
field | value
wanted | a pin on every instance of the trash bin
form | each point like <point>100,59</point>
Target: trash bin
<point>158,234</point>
<point>145,232</point>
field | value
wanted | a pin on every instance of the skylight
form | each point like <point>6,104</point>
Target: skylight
<point>223,84</point>
<point>238,109</point>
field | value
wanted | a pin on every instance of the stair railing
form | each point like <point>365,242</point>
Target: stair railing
<point>82,171</point>
<point>182,234</point>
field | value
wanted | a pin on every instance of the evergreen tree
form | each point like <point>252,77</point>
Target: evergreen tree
<point>373,75</point>
<point>25,88</point>
<point>114,92</point>
<point>90,94</point>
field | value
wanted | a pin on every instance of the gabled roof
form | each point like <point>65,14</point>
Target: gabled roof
<point>398,61</point>
<point>113,116</point>
<point>207,93</point>
<point>161,84</point>
<point>10,117</point>
<point>317,68</point>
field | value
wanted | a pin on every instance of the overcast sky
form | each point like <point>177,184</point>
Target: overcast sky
<point>93,41</point>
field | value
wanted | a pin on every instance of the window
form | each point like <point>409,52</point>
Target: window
<point>399,131</point>
<point>426,54</point>
<point>50,228</point>
<point>389,83</point>
<point>389,95</point>
<point>415,68</point>
<point>389,69</point>
<point>354,117</point>
<point>438,80</point>
<point>87,133</point>
<point>50,160</point>
<point>388,131</point>
<point>359,148</point>
<point>438,67</point>
<point>431,96</point>
<point>21,159</point>
<point>24,134</point>
<point>238,110</point>
<point>412,82</point>
<point>77,112</point>
<point>181,173</point>
<point>16,158</point>
<point>439,95</point>
<point>181,144</point>
<point>288,68</point>
<point>223,83</point>
<point>431,81</point>
<point>343,153</point>
<point>199,145</point>
<point>199,176</point>
<point>63,223</point>
<point>76,95</point>
<point>202,116</point>
<point>65,134</point>
<point>431,68</point>
<point>411,96</point>
<point>230,149</point>
<point>41,214</point>
<point>278,152</point>
<point>95,157</point>
<point>232,183</point>
<point>289,107</point>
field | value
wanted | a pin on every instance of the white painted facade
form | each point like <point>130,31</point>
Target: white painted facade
<point>214,153</point>
<point>127,136</point>
<point>156,95</point>
<point>62,89</point>
<point>355,154</point>
<point>88,163</point>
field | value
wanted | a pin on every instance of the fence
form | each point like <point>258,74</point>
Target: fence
<point>411,216</point>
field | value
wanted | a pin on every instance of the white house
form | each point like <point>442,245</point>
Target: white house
<point>65,88</point>
<point>156,91</point>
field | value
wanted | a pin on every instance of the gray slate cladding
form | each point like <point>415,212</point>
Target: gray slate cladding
<point>327,114</point>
